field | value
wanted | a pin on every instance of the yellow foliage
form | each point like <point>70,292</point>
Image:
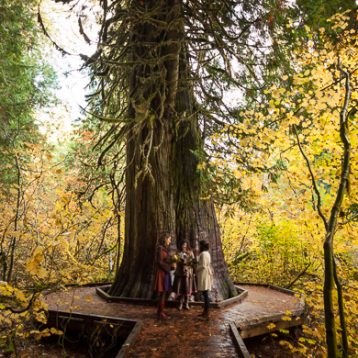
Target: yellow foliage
<point>283,235</point>
<point>58,239</point>
<point>33,265</point>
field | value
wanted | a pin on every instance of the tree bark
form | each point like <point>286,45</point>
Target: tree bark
<point>330,324</point>
<point>195,218</point>
<point>16,222</point>
<point>149,210</point>
<point>162,183</point>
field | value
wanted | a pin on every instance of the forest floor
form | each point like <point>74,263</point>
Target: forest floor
<point>185,334</point>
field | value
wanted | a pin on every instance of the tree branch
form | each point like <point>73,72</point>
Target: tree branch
<point>313,180</point>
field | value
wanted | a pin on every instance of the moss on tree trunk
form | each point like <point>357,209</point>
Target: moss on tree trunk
<point>162,183</point>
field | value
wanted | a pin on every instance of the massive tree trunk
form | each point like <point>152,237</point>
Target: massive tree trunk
<point>195,218</point>
<point>163,186</point>
<point>149,201</point>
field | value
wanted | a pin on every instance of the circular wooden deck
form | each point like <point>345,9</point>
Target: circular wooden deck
<point>185,334</point>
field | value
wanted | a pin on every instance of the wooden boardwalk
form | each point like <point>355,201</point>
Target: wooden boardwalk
<point>185,334</point>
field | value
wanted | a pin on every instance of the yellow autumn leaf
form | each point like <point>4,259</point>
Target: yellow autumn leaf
<point>33,265</point>
<point>271,326</point>
<point>56,331</point>
<point>286,343</point>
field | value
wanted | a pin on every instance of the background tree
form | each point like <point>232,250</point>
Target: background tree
<point>25,80</point>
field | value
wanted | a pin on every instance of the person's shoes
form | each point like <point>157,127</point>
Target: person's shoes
<point>186,303</point>
<point>180,305</point>
<point>163,316</point>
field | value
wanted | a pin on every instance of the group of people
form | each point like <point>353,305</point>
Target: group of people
<point>192,274</point>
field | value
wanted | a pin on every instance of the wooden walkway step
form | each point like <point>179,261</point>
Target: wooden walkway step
<point>185,334</point>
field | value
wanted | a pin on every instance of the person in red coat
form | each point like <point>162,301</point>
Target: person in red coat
<point>162,280</point>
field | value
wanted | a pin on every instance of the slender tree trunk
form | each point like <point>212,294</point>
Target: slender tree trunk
<point>16,221</point>
<point>330,273</point>
<point>341,312</point>
<point>330,270</point>
<point>119,242</point>
<point>328,289</point>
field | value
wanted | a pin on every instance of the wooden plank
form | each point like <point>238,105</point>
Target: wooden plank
<point>273,287</point>
<point>89,316</point>
<point>131,339</point>
<point>238,341</point>
<point>298,295</point>
<point>250,316</point>
<point>101,291</point>
<point>75,317</point>
<point>260,329</point>
<point>237,299</point>
<point>271,318</point>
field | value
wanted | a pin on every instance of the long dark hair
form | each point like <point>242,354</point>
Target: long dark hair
<point>187,245</point>
<point>163,237</point>
<point>203,245</point>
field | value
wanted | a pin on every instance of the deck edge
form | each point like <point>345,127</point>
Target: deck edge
<point>239,343</point>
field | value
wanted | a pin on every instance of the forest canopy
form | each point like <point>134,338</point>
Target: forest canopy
<point>229,121</point>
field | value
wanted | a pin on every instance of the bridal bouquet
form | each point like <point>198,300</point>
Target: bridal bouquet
<point>174,258</point>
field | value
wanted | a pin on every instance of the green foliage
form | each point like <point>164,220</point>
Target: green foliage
<point>24,80</point>
<point>316,13</point>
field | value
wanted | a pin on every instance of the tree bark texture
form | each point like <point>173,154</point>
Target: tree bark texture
<point>163,186</point>
<point>330,325</point>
